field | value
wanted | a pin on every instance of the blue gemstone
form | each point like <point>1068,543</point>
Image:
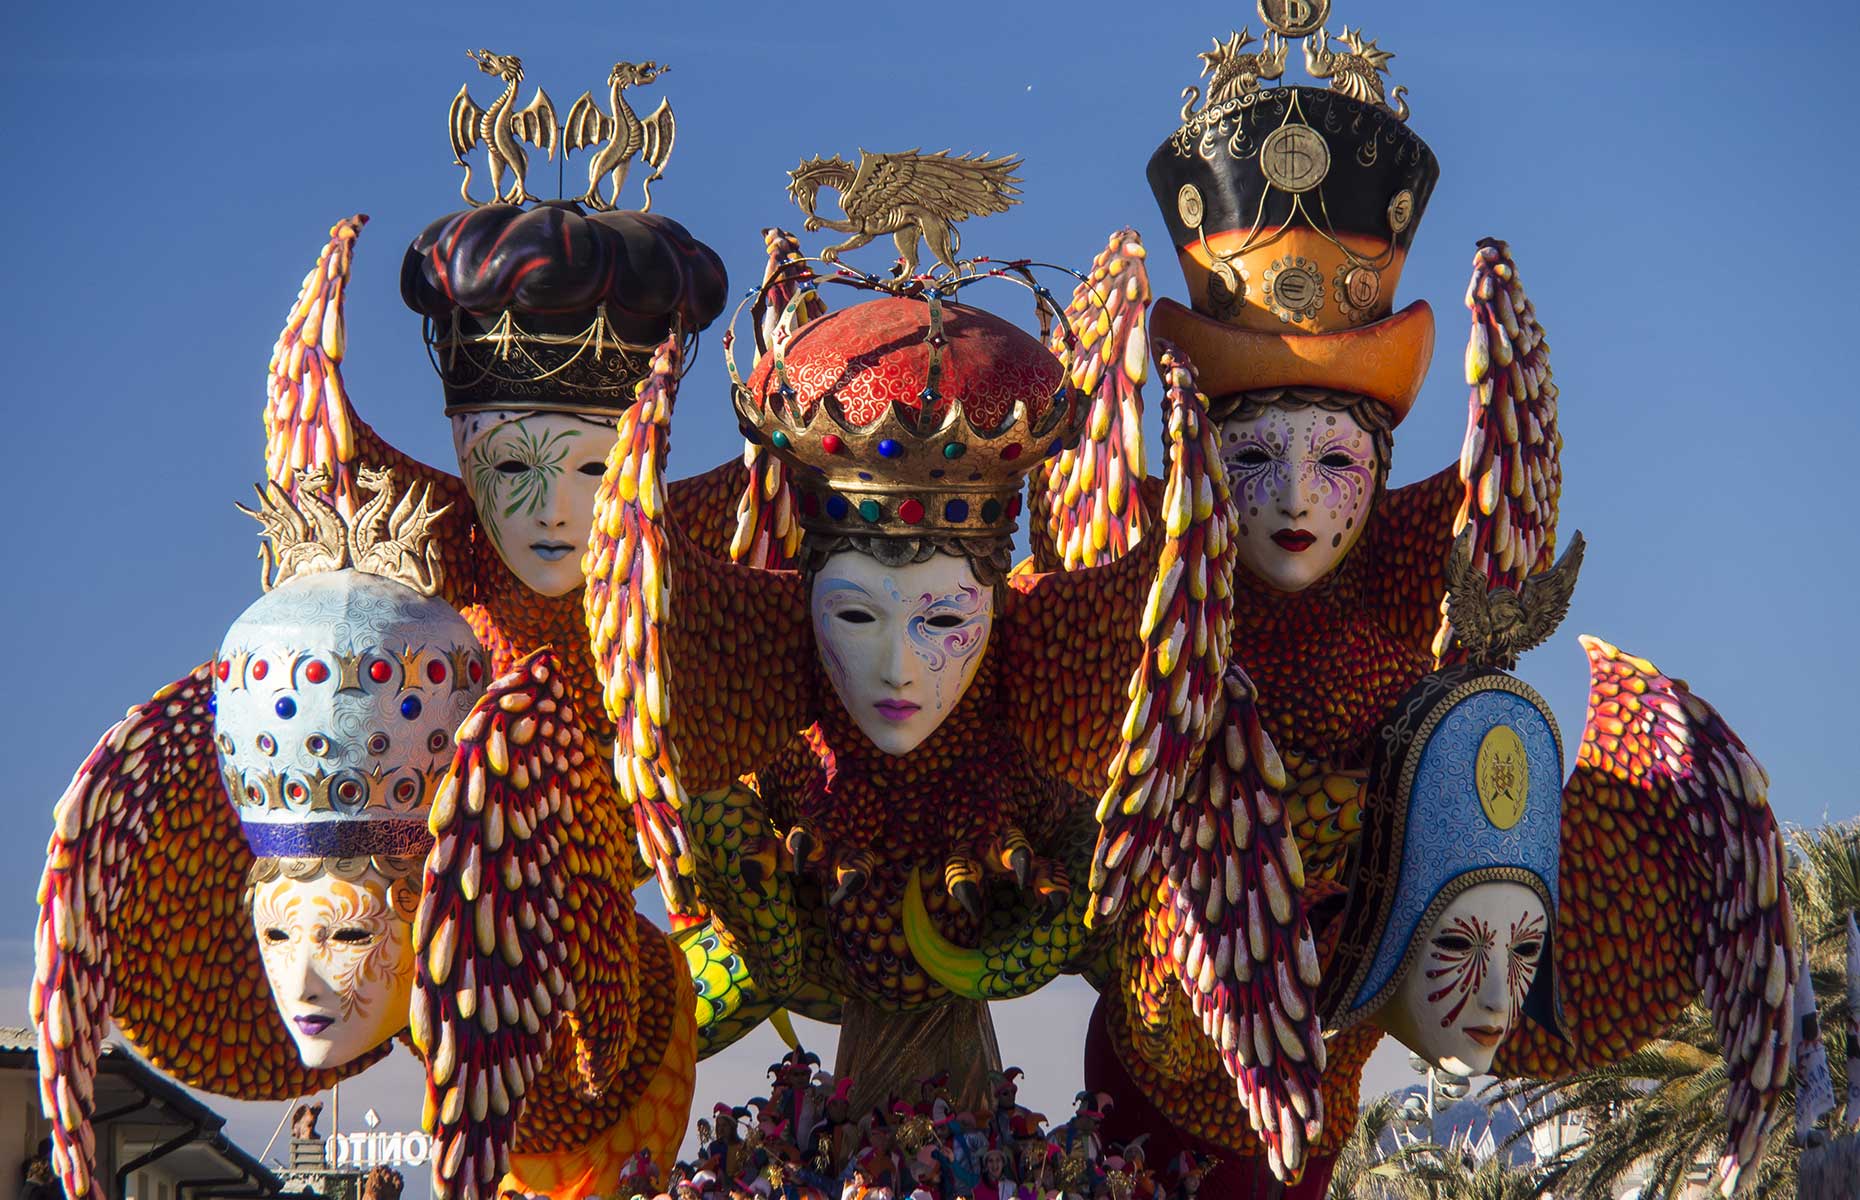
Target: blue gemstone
<point>286,707</point>
<point>837,507</point>
<point>1053,449</point>
<point>938,473</point>
<point>865,475</point>
<point>956,510</point>
<point>889,448</point>
<point>410,707</point>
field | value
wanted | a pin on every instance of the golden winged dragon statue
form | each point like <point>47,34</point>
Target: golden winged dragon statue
<point>911,196</point>
<point>501,129</point>
<point>620,135</point>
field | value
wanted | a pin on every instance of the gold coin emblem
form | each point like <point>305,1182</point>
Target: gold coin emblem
<point>1502,774</point>
<point>1401,210</point>
<point>1294,18</point>
<point>1188,205</point>
<point>1294,289</point>
<point>1295,158</point>
<point>1358,287</point>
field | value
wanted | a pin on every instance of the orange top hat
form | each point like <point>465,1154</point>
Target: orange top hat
<point>1292,210</point>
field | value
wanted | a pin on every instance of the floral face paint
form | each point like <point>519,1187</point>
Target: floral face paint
<point>340,962</point>
<point>1304,480</point>
<point>1464,992</point>
<point>901,644</point>
<point>532,478</point>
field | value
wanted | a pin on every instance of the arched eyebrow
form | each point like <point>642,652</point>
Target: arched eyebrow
<point>835,584</point>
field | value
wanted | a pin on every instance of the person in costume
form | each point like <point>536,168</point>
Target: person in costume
<point>1292,210</point>
<point>280,801</point>
<point>908,711</point>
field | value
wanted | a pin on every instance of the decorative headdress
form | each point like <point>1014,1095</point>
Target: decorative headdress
<point>1292,210</point>
<point>911,414</point>
<point>551,307</point>
<point>1465,788</point>
<point>337,693</point>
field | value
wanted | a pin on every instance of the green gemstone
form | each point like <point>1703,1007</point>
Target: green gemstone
<point>780,439</point>
<point>955,450</point>
<point>869,509</point>
<point>991,511</point>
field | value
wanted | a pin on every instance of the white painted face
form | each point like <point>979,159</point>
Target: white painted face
<point>340,962</point>
<point>1465,991</point>
<point>901,644</point>
<point>1303,480</point>
<point>532,477</point>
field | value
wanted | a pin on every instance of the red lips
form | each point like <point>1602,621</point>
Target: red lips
<point>1295,540</point>
<point>1486,1035</point>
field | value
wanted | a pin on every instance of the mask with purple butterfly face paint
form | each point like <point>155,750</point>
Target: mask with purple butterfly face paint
<point>1303,480</point>
<point>901,644</point>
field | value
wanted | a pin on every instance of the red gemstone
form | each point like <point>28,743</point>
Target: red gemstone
<point>259,668</point>
<point>379,671</point>
<point>1013,507</point>
<point>832,444</point>
<point>810,504</point>
<point>1010,452</point>
<point>316,672</point>
<point>477,671</point>
<point>225,670</point>
<point>436,671</point>
<point>911,512</point>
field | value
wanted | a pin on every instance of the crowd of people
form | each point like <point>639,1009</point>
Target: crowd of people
<point>803,1141</point>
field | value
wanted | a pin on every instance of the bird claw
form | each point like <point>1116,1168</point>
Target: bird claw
<point>804,849</point>
<point>851,876</point>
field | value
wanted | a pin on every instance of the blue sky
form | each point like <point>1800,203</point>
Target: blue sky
<point>1676,183</point>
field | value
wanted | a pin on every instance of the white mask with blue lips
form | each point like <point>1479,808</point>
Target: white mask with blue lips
<point>1303,480</point>
<point>532,478</point>
<point>900,644</point>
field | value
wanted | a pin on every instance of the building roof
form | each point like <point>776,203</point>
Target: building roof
<point>138,1085</point>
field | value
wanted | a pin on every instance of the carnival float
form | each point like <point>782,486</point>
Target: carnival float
<point>1240,743</point>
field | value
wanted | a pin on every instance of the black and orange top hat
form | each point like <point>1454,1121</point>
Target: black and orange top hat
<point>1292,209</point>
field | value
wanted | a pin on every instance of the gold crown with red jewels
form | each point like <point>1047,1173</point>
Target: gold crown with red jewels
<point>910,415</point>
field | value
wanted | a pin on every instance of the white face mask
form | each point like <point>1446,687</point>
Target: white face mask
<point>532,478</point>
<point>340,962</point>
<point>901,644</point>
<point>1464,992</point>
<point>1303,480</point>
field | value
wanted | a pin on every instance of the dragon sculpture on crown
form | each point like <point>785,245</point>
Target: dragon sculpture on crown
<point>1669,857</point>
<point>802,712</point>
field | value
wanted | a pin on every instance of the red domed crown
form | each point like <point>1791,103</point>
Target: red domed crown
<point>910,415</point>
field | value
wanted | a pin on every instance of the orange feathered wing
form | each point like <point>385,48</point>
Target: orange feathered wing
<point>1671,885</point>
<point>142,920</point>
<point>513,904</point>
<point>1085,501</point>
<point>1511,468</point>
<point>706,664</point>
<point>310,420</point>
<point>768,528</point>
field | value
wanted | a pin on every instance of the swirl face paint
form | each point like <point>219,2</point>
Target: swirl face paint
<point>340,962</point>
<point>532,478</point>
<point>901,644</point>
<point>1465,988</point>
<point>1304,480</point>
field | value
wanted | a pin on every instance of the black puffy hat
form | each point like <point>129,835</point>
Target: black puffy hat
<point>549,307</point>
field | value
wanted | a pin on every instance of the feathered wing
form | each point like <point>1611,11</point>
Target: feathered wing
<point>1227,882</point>
<point>142,920</point>
<point>953,186</point>
<point>526,917</point>
<point>1085,501</point>
<point>693,651</point>
<point>768,528</point>
<point>1671,885</point>
<point>1511,470</point>
<point>311,423</point>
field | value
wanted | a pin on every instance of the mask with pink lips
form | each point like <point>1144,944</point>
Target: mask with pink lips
<point>900,644</point>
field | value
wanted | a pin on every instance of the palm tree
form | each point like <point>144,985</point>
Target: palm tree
<point>1661,1109</point>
